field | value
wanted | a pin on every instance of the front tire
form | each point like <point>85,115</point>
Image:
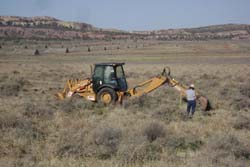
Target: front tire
<point>107,96</point>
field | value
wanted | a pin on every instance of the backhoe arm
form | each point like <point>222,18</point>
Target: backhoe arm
<point>147,86</point>
<point>158,81</point>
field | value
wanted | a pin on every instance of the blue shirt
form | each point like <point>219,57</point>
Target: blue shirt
<point>190,94</point>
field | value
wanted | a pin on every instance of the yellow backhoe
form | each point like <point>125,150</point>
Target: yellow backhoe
<point>108,85</point>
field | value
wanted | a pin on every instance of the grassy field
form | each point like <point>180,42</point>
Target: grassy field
<point>38,130</point>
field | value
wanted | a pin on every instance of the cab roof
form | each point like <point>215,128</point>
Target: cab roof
<point>110,64</point>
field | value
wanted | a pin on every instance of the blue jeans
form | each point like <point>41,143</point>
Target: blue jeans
<point>191,106</point>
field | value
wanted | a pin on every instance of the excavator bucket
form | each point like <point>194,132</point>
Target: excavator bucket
<point>204,102</point>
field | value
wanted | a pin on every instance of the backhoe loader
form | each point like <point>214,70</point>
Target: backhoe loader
<point>108,85</point>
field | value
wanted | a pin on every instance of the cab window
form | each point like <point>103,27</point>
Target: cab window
<point>98,72</point>
<point>119,72</point>
<point>108,74</point>
<point>121,78</point>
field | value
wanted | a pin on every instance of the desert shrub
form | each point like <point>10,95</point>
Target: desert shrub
<point>186,79</point>
<point>242,122</point>
<point>100,109</point>
<point>183,143</point>
<point>162,105</point>
<point>225,91</point>
<point>75,103</point>
<point>107,140</point>
<point>240,102</point>
<point>67,50</point>
<point>229,144</point>
<point>25,47</point>
<point>139,103</point>
<point>209,77</point>
<point>72,143</point>
<point>11,86</point>
<point>241,98</point>
<point>153,131</point>
<point>245,89</point>
<point>8,120</point>
<point>89,50</point>
<point>73,140</point>
<point>69,150</point>
<point>16,72</point>
<point>153,151</point>
<point>27,130</point>
<point>36,53</point>
<point>167,111</point>
<point>169,115</point>
<point>138,150</point>
<point>24,128</point>
<point>66,105</point>
<point>226,143</point>
<point>243,152</point>
<point>40,111</point>
<point>236,97</point>
<point>11,89</point>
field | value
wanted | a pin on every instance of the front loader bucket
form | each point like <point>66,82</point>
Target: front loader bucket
<point>204,102</point>
<point>60,95</point>
<point>74,86</point>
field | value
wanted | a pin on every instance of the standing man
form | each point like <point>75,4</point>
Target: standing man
<point>191,99</point>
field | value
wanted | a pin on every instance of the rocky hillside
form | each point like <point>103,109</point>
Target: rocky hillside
<point>43,22</point>
<point>51,28</point>
<point>227,31</point>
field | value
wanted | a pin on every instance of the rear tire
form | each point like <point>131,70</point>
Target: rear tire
<point>107,96</point>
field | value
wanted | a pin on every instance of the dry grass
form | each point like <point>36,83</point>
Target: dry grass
<point>11,86</point>
<point>153,130</point>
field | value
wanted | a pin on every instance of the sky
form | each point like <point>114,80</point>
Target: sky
<point>135,14</point>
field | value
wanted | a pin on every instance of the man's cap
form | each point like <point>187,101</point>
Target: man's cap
<point>191,86</point>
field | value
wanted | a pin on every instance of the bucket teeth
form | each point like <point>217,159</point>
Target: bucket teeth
<point>60,96</point>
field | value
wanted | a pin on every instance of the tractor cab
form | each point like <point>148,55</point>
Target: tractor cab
<point>109,75</point>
